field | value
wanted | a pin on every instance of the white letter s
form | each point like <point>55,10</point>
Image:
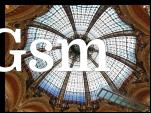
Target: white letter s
<point>41,55</point>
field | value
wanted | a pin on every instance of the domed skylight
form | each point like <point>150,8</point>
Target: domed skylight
<point>87,22</point>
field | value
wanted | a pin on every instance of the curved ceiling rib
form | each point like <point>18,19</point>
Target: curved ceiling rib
<point>65,82</point>
<point>118,34</point>
<point>109,81</point>
<point>37,81</point>
<point>87,90</point>
<point>46,27</point>
<point>123,60</point>
<point>70,16</point>
<point>99,12</point>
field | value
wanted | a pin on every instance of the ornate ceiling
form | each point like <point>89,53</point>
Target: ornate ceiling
<point>126,37</point>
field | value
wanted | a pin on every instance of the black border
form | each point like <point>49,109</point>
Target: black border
<point>2,59</point>
<point>74,2</point>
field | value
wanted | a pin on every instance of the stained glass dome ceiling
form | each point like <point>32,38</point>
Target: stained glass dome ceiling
<point>87,22</point>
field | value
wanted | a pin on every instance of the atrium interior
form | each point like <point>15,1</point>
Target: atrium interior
<point>125,30</point>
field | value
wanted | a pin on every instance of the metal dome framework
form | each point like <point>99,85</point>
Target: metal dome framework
<point>87,22</point>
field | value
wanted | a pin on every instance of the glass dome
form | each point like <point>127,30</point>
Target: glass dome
<point>88,22</point>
